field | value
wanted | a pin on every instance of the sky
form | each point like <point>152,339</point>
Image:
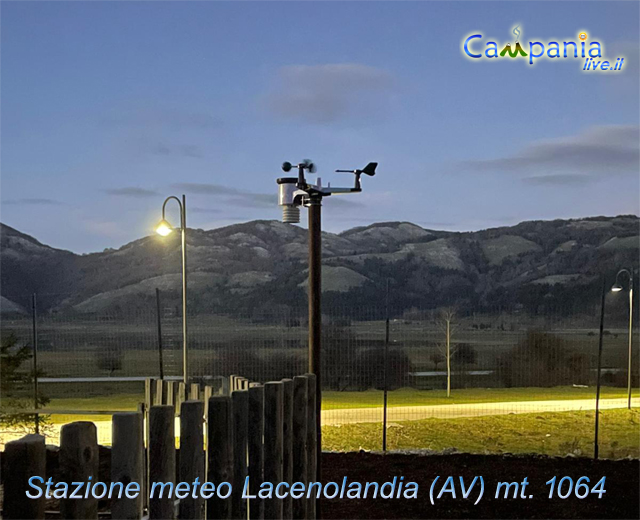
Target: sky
<point>108,108</point>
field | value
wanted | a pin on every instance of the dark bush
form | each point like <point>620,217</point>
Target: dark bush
<point>464,354</point>
<point>339,356</point>
<point>236,360</point>
<point>110,359</point>
<point>273,366</point>
<point>619,379</point>
<point>370,368</point>
<point>544,360</point>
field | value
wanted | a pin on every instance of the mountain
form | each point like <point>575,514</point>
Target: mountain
<point>259,266</point>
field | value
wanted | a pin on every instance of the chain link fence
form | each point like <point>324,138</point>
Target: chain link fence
<point>434,364</point>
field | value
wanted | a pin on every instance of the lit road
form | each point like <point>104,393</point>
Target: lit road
<point>453,411</point>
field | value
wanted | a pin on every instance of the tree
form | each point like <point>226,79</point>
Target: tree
<point>16,383</point>
<point>445,322</point>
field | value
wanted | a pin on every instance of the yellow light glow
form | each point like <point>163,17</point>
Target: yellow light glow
<point>164,228</point>
<point>616,288</point>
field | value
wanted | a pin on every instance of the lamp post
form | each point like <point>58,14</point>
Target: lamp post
<point>294,192</point>
<point>617,287</point>
<point>163,229</point>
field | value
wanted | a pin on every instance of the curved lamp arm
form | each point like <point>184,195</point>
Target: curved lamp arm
<point>164,205</point>
<point>617,286</point>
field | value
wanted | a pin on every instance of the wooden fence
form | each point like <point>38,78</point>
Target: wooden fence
<point>227,432</point>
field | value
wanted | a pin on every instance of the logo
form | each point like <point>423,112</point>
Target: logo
<point>476,47</point>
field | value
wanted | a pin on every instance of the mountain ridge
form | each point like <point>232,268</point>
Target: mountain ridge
<point>261,263</point>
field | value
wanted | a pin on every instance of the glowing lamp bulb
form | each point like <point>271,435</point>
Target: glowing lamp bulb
<point>616,288</point>
<point>164,228</point>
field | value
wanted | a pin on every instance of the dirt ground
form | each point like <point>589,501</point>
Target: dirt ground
<point>621,500</point>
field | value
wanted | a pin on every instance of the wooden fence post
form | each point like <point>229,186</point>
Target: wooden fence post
<point>191,464</point>
<point>300,456</point>
<point>127,463</point>
<point>181,396</point>
<point>240,405</point>
<point>162,460</point>
<point>273,445</point>
<point>150,386</point>
<point>208,394</point>
<point>225,388</point>
<point>78,463</point>
<point>256,461</point>
<point>170,391</point>
<point>23,459</point>
<point>194,392</point>
<point>287,447</point>
<point>312,442</point>
<point>160,393</point>
<point>219,454</point>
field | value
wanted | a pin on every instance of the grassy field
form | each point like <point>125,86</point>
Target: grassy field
<point>345,400</point>
<point>412,397</point>
<point>555,434</point>
<point>71,346</point>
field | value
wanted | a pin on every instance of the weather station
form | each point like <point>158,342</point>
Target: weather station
<point>293,193</point>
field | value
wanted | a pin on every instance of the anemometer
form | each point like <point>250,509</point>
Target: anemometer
<point>294,192</point>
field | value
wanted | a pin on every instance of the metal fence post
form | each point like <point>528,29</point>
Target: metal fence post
<point>34,318</point>
<point>159,320</point>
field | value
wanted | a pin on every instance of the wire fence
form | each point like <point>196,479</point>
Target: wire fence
<point>434,364</point>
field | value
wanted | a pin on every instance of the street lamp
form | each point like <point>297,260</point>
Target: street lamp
<point>163,229</point>
<point>617,287</point>
<point>294,192</point>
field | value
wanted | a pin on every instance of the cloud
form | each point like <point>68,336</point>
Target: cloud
<point>183,150</point>
<point>561,179</point>
<point>598,151</point>
<point>170,119</point>
<point>197,209</point>
<point>231,196</point>
<point>33,201</point>
<point>132,192</point>
<point>330,92</point>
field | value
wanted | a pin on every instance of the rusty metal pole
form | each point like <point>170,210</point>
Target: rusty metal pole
<point>34,333</point>
<point>600,341</point>
<point>159,324</point>
<point>315,311</point>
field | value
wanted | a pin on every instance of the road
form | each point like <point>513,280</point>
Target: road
<point>453,411</point>
<point>398,413</point>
